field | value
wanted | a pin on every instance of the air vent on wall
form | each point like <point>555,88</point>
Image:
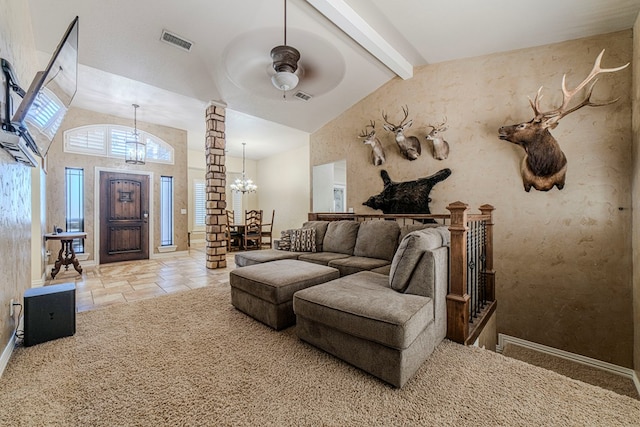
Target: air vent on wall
<point>304,96</point>
<point>176,40</point>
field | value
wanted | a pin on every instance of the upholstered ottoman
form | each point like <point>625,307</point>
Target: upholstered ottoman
<point>265,291</point>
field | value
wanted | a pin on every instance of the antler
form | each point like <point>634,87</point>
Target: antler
<point>405,110</point>
<point>440,125</point>
<point>384,117</point>
<point>371,125</point>
<point>553,116</point>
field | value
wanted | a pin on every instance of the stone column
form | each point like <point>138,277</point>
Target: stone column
<point>215,186</point>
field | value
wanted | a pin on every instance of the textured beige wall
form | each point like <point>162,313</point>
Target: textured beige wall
<point>17,46</point>
<point>57,160</point>
<point>563,258</point>
<point>636,196</point>
<point>283,185</point>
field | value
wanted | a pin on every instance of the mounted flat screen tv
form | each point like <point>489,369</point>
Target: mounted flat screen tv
<point>44,105</point>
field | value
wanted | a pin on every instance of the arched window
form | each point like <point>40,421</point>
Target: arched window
<point>108,140</point>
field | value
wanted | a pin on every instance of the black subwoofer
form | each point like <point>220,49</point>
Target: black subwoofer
<point>49,313</point>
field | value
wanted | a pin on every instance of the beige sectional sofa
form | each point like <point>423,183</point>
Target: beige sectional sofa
<point>385,313</point>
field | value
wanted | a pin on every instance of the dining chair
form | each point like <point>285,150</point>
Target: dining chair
<point>232,234</point>
<point>252,234</point>
<point>266,231</point>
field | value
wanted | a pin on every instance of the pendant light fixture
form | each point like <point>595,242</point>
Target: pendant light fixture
<point>285,62</point>
<point>135,151</point>
<point>243,185</point>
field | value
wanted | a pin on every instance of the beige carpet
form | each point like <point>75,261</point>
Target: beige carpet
<point>574,370</point>
<point>191,359</point>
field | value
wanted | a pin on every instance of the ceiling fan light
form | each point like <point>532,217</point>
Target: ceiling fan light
<point>284,80</point>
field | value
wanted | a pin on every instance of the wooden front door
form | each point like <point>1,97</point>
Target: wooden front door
<point>124,217</point>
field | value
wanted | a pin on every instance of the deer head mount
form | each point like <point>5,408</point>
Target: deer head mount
<point>377,152</point>
<point>544,164</point>
<point>440,146</point>
<point>409,145</point>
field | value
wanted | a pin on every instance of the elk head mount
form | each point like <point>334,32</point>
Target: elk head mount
<point>544,164</point>
<point>409,145</point>
<point>440,146</point>
<point>377,152</point>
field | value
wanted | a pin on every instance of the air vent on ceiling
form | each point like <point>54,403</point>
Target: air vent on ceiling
<point>304,96</point>
<point>176,40</point>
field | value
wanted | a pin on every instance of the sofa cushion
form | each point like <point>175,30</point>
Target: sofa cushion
<point>340,237</point>
<point>377,239</point>
<point>303,240</point>
<point>364,306</point>
<point>410,251</point>
<point>277,281</point>
<point>321,229</point>
<point>354,264</point>
<point>385,269</point>
<point>244,259</point>
<point>322,258</point>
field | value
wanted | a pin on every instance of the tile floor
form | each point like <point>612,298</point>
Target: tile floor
<point>119,283</point>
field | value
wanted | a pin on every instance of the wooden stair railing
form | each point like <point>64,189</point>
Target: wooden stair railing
<point>463,326</point>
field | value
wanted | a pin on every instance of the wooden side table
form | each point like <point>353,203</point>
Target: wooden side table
<point>69,257</point>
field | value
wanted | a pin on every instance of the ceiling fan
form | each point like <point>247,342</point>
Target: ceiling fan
<point>285,63</point>
<point>248,65</point>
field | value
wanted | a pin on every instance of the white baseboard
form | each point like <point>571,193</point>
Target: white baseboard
<point>8,350</point>
<point>503,340</point>
<point>6,355</point>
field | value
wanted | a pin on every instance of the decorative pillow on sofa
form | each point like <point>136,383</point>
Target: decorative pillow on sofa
<point>284,244</point>
<point>321,229</point>
<point>303,240</point>
<point>409,253</point>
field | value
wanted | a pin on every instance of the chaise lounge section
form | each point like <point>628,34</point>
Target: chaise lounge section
<point>385,325</point>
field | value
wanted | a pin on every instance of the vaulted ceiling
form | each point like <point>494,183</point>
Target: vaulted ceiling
<point>123,60</point>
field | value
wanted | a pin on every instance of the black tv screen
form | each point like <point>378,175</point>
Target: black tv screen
<point>47,100</point>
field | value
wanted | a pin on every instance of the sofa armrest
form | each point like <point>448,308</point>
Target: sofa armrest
<point>431,278</point>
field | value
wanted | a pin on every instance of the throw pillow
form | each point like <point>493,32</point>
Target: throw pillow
<point>404,262</point>
<point>303,240</point>
<point>284,244</point>
<point>408,254</point>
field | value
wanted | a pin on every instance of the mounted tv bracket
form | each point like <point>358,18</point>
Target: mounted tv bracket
<point>14,138</point>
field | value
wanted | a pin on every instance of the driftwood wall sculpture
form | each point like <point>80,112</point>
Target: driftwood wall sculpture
<point>406,197</point>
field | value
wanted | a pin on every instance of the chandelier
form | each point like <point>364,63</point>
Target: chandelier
<point>243,185</point>
<point>135,151</point>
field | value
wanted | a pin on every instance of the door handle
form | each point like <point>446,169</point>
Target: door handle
<point>145,215</point>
